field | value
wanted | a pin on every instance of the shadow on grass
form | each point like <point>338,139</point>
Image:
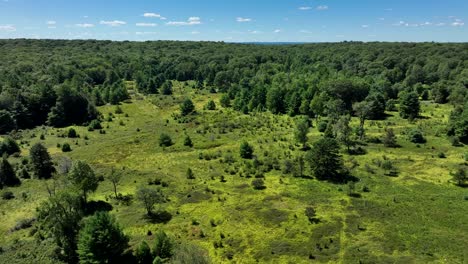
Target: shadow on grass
<point>159,217</point>
<point>97,206</point>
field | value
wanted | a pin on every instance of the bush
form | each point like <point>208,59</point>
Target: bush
<point>165,140</point>
<point>163,245</point>
<point>246,150</point>
<point>416,136</point>
<point>187,107</point>
<point>66,147</point>
<point>210,105</point>
<point>7,195</point>
<point>9,146</point>
<point>94,125</point>
<point>72,133</point>
<point>258,184</point>
<point>188,141</point>
<point>322,126</point>
<point>143,254</point>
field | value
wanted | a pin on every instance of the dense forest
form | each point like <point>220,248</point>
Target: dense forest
<point>60,82</point>
<point>182,152</point>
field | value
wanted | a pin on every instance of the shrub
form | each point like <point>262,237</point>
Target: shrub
<point>72,133</point>
<point>7,195</point>
<point>143,254</point>
<point>210,105</point>
<point>246,150</point>
<point>165,140</point>
<point>416,136</point>
<point>188,141</point>
<point>311,214</point>
<point>66,147</point>
<point>441,155</point>
<point>94,125</point>
<point>9,146</point>
<point>322,126</point>
<point>187,107</point>
<point>118,110</point>
<point>258,184</point>
<point>163,245</point>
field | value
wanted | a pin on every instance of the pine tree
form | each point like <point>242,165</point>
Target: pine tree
<point>41,161</point>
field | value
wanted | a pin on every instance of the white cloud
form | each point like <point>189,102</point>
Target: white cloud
<point>440,24</point>
<point>51,23</point>
<point>305,8</point>
<point>278,31</point>
<point>146,33</point>
<point>381,18</point>
<point>190,22</point>
<point>195,32</point>
<point>305,31</point>
<point>7,28</point>
<point>365,26</point>
<point>85,25</point>
<point>242,19</point>
<point>114,23</point>
<point>154,15</point>
<point>322,7</point>
<point>146,24</point>
<point>458,24</point>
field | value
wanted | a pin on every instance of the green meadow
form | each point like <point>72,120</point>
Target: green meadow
<point>413,215</point>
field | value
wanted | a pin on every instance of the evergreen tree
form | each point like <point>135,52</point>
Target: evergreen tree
<point>187,107</point>
<point>166,88</point>
<point>389,139</point>
<point>325,161</point>
<point>163,245</point>
<point>246,150</point>
<point>7,174</point>
<point>7,122</point>
<point>143,254</point>
<point>41,162</point>
<point>188,141</point>
<point>9,146</point>
<point>101,240</point>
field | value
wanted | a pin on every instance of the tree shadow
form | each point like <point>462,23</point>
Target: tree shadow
<point>92,207</point>
<point>159,217</point>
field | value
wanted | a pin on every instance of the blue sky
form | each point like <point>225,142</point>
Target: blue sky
<point>237,20</point>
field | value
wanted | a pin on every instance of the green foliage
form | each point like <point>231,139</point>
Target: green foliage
<point>166,88</point>
<point>66,147</point>
<point>325,161</point>
<point>416,136</point>
<point>101,240</point>
<point>72,133</point>
<point>343,131</point>
<point>211,105</point>
<point>163,245</point>
<point>460,177</point>
<point>322,126</point>
<point>458,123</point>
<point>143,254</point>
<point>9,146</point>
<point>302,129</point>
<point>258,184</point>
<point>83,178</point>
<point>190,253</point>
<point>225,101</point>
<point>187,107</point>
<point>188,141</point>
<point>149,197</point>
<point>165,140</point>
<point>60,217</point>
<point>189,174</point>
<point>41,161</point>
<point>7,174</point>
<point>94,125</point>
<point>409,105</point>
<point>246,150</point>
<point>7,123</point>
<point>390,140</point>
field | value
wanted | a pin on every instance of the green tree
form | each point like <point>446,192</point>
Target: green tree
<point>190,253</point>
<point>101,240</point>
<point>83,178</point>
<point>143,254</point>
<point>362,111</point>
<point>460,177</point>
<point>343,131</point>
<point>60,218</point>
<point>211,105</point>
<point>72,133</point>
<point>188,141</point>
<point>166,88</point>
<point>41,162</point>
<point>246,150</point>
<point>115,177</point>
<point>187,107</point>
<point>163,245</point>
<point>7,174</point>
<point>225,101</point>
<point>390,139</point>
<point>165,140</point>
<point>409,105</point>
<point>325,161</point>
<point>302,129</point>
<point>9,146</point>
<point>416,136</point>
<point>7,123</point>
<point>189,174</point>
<point>149,197</point>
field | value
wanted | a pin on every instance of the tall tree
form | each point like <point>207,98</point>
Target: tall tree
<point>302,129</point>
<point>83,178</point>
<point>325,161</point>
<point>343,131</point>
<point>7,174</point>
<point>409,105</point>
<point>41,161</point>
<point>101,240</point>
<point>149,197</point>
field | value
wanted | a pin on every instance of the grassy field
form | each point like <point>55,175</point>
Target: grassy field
<point>419,216</point>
